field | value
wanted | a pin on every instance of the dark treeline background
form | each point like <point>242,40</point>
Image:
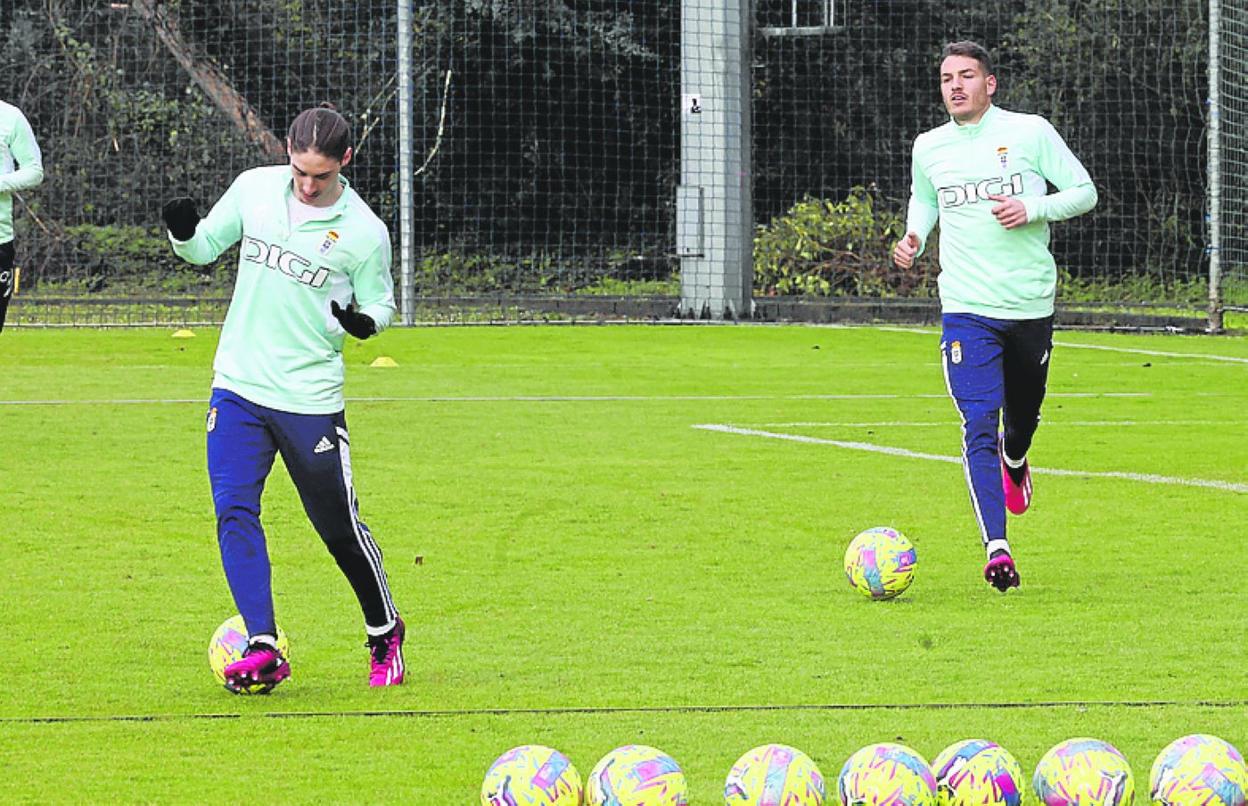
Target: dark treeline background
<point>551,156</point>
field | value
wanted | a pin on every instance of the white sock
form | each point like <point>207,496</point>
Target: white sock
<point>263,638</point>
<point>997,544</point>
<point>377,632</point>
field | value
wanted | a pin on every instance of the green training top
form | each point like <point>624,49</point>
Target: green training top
<point>281,346</point>
<point>985,268</point>
<point>17,145</point>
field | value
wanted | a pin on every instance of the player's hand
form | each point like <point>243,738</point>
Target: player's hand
<point>181,218</point>
<point>1009,211</point>
<point>905,250</point>
<point>360,325</point>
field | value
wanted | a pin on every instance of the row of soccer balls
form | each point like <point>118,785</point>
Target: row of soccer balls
<point>1196,770</point>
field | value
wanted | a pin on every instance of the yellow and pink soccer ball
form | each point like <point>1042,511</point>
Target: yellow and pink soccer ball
<point>880,562</point>
<point>774,775</point>
<point>1199,770</point>
<point>532,775</point>
<point>1086,772</point>
<point>636,775</point>
<point>977,772</point>
<point>886,774</point>
<point>227,644</point>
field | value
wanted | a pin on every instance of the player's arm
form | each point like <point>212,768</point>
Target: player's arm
<point>25,150</point>
<point>373,288</point>
<point>1055,161</point>
<point>921,216</point>
<point>201,241</point>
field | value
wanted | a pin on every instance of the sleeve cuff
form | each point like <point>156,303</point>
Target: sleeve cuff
<point>1033,207</point>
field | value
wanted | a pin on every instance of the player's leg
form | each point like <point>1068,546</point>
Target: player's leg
<point>1028,346</point>
<point>317,453</point>
<point>971,354</point>
<point>8,279</point>
<point>240,456</point>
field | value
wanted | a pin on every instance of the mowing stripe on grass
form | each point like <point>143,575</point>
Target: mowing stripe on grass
<point>1148,478</point>
<point>635,709</point>
<point>547,399</point>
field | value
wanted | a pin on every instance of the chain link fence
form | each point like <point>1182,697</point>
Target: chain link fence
<point>546,157</point>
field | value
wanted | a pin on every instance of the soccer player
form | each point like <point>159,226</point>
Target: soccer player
<point>17,145</point>
<point>984,177</point>
<point>310,245</point>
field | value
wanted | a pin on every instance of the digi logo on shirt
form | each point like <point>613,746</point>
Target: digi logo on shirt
<point>972,192</point>
<point>288,263</point>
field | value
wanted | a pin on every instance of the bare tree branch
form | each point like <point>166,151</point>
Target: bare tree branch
<point>210,79</point>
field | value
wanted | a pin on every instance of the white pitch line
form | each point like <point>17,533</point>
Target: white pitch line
<point>1148,478</point>
<point>1047,424</point>
<point>1162,353</point>
<point>99,402</point>
<point>1133,350</point>
<point>549,398</point>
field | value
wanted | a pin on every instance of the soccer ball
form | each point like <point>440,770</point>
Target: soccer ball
<point>636,775</point>
<point>774,774</point>
<point>886,774</point>
<point>1088,772</point>
<point>532,775</point>
<point>976,772</point>
<point>227,646</point>
<point>880,562</point>
<point>1199,770</point>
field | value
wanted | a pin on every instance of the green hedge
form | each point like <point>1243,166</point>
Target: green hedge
<point>129,258</point>
<point>825,248</point>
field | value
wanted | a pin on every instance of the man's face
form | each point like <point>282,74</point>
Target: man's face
<point>316,176</point>
<point>967,90</point>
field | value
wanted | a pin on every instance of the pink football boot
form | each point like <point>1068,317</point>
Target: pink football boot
<point>1000,571</point>
<point>386,661</point>
<point>260,670</point>
<point>1017,494</point>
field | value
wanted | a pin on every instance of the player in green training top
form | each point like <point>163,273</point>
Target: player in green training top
<point>313,266</point>
<point>984,177</point>
<point>21,167</point>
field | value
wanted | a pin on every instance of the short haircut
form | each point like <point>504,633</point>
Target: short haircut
<point>968,48</point>
<point>321,129</point>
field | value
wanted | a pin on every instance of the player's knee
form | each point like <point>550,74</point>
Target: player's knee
<point>238,525</point>
<point>981,430</point>
<point>346,537</point>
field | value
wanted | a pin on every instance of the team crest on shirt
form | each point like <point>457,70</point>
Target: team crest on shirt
<point>955,352</point>
<point>212,418</point>
<point>1003,154</point>
<point>331,240</point>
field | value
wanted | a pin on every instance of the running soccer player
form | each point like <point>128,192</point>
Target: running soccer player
<point>983,177</point>
<point>310,245</point>
<point>17,145</point>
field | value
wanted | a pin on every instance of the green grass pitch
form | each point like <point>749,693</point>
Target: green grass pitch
<point>581,566</point>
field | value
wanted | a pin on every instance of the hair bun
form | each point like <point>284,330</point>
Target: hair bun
<point>327,105</point>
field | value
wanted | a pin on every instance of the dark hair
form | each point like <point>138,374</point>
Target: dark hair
<point>321,129</point>
<point>968,48</point>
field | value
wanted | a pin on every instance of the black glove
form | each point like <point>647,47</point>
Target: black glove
<point>360,325</point>
<point>181,218</point>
